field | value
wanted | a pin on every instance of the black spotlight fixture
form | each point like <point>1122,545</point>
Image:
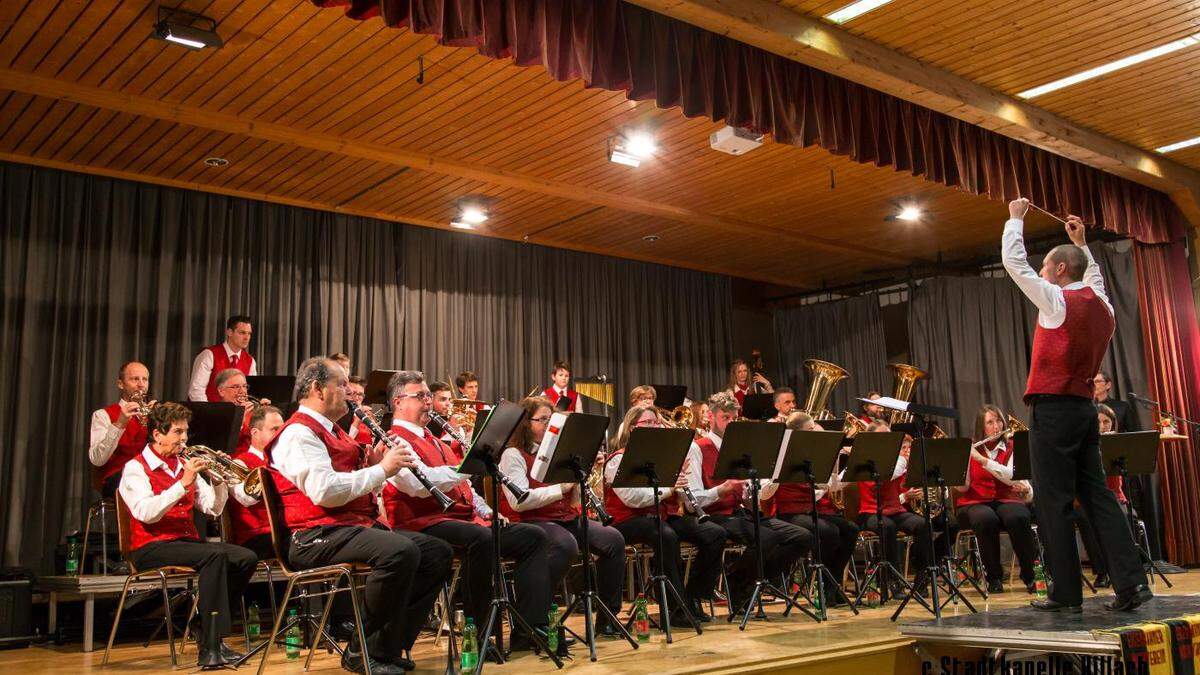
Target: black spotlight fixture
<point>187,29</point>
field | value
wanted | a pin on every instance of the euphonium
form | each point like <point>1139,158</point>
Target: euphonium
<point>825,376</point>
<point>919,503</point>
<point>220,468</point>
<point>679,417</point>
<point>906,377</point>
<point>852,425</point>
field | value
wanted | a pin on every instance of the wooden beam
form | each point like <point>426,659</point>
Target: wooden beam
<point>217,121</point>
<point>800,38</point>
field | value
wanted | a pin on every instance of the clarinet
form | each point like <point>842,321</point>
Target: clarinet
<point>694,506</point>
<point>519,493</point>
<point>377,431</point>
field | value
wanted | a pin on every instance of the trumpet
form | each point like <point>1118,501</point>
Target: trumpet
<point>220,468</point>
<point>679,417</point>
<point>377,431</point>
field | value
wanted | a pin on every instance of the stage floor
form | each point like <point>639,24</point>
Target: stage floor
<point>867,643</point>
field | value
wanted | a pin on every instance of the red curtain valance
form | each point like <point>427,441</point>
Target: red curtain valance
<point>623,47</point>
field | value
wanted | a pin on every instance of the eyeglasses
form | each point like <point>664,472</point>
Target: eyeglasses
<point>539,420</point>
<point>423,395</point>
<point>237,387</point>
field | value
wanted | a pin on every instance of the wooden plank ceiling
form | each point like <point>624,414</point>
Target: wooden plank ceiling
<point>1013,46</point>
<point>316,110</point>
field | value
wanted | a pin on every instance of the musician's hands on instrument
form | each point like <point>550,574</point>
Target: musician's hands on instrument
<point>191,468</point>
<point>1076,231</point>
<point>977,456</point>
<point>1017,208</point>
<point>128,408</point>
<point>567,488</point>
<point>734,486</point>
<point>758,377</point>
<point>400,456</point>
<point>912,493</point>
<point>1020,487</point>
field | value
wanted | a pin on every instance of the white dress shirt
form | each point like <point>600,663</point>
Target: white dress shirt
<point>444,478</point>
<point>239,489</point>
<point>202,368</point>
<point>1001,472</point>
<point>512,464</point>
<point>1047,297</point>
<point>301,457</point>
<point>148,507</point>
<point>634,498</point>
<point>104,437</point>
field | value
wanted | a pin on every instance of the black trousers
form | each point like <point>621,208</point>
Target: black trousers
<point>1066,463</point>
<point>1091,543</point>
<point>261,546</point>
<point>783,544</point>
<point>709,539</point>
<point>396,607</point>
<point>838,538</point>
<point>224,571</point>
<point>643,530</point>
<point>986,520</point>
<point>905,521</point>
<point>523,543</point>
<point>564,539</point>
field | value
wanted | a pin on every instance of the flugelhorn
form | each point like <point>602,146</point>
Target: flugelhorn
<point>142,413</point>
<point>825,376</point>
<point>220,468</point>
<point>380,436</point>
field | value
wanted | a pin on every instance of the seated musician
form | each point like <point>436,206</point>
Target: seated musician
<point>467,384</point>
<point>343,360</point>
<point>872,411</point>
<point>441,405</point>
<point>1107,418</point>
<point>327,483</point>
<point>161,490</point>
<point>248,515</point>
<point>356,393</point>
<point>117,434</point>
<point>642,395</point>
<point>202,385</point>
<point>555,509</point>
<point>232,388</point>
<point>896,518</point>
<point>465,525</point>
<point>993,501</point>
<point>785,403</point>
<point>726,501</point>
<point>632,510</point>
<point>561,376</point>
<point>793,503</point>
<point>741,382</point>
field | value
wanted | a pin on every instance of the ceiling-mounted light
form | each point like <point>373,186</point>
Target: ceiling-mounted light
<point>1107,68</point>
<point>854,10</point>
<point>631,148</point>
<point>909,213</point>
<point>184,28</point>
<point>621,157</point>
<point>472,211</point>
<point>1180,145</point>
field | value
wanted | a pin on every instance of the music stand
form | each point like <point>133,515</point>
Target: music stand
<point>376,390</point>
<point>945,458</point>
<point>571,462</point>
<point>652,455</point>
<point>1133,453</point>
<point>758,407</point>
<point>749,450</point>
<point>490,440</point>
<point>275,388</point>
<point>874,457</point>
<point>669,396</point>
<point>806,455</point>
<point>216,425</point>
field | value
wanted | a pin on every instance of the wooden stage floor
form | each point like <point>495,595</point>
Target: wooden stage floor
<point>869,643</point>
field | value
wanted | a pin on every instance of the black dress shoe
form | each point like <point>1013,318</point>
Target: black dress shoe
<point>699,613</point>
<point>343,631</point>
<point>995,586</point>
<point>230,655</point>
<point>353,662</point>
<point>1129,600</point>
<point>1048,605</point>
<point>1102,581</point>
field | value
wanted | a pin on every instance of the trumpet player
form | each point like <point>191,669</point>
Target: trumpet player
<point>229,354</point>
<point>232,388</point>
<point>248,515</point>
<point>556,508</point>
<point>118,431</point>
<point>161,490</point>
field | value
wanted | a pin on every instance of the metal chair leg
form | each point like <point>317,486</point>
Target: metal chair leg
<point>287,596</point>
<point>187,624</point>
<point>316,642</point>
<point>167,617</point>
<point>103,540</point>
<point>358,624</point>
<point>112,634</point>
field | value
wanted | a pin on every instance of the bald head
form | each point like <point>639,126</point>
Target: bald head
<point>1071,257</point>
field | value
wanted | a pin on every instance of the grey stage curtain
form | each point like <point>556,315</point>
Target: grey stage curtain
<point>99,271</point>
<point>846,332</point>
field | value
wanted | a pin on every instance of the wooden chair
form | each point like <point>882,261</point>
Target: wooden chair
<point>163,574</point>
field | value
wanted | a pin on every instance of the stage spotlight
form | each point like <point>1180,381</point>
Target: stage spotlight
<point>189,30</point>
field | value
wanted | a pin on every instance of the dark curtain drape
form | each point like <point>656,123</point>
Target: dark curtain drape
<point>99,271</point>
<point>848,333</point>
<point>618,46</point>
<point>1172,340</point>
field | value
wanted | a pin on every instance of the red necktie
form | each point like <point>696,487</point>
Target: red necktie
<point>233,359</point>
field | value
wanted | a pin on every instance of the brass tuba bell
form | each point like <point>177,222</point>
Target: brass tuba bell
<point>825,376</point>
<point>906,377</point>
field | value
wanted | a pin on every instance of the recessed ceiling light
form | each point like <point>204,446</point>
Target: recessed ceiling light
<point>216,161</point>
<point>619,157</point>
<point>473,214</point>
<point>1180,145</point>
<point>909,213</point>
<point>640,144</point>
<point>1130,60</point>
<point>651,238</point>
<point>854,10</point>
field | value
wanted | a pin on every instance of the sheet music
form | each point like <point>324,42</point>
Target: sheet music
<point>545,451</point>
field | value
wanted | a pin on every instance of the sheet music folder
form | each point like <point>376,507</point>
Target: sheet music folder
<point>1136,450</point>
<point>945,457</point>
<point>749,446</point>
<point>216,425</point>
<point>807,452</point>
<point>581,439</point>
<point>491,437</point>
<point>876,450</point>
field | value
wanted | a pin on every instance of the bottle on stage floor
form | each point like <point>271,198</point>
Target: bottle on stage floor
<point>253,629</point>
<point>73,550</point>
<point>873,596</point>
<point>552,629</point>
<point>292,637</point>
<point>470,646</point>
<point>641,619</point>
<point>1039,579</point>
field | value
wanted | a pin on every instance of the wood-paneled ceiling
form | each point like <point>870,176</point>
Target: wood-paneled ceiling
<point>317,110</point>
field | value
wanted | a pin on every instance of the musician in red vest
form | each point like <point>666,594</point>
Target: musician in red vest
<point>161,490</point>
<point>466,524</point>
<point>742,382</point>
<point>727,503</point>
<point>327,484</point>
<point>229,354</point>
<point>993,501</point>
<point>785,403</point>
<point>555,509</point>
<point>561,375</point>
<point>1107,419</point>
<point>1075,324</point>
<point>247,514</point>
<point>356,393</point>
<point>232,388</point>
<point>632,510</point>
<point>117,434</point>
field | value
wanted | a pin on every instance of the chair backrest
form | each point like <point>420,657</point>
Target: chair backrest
<point>850,499</point>
<point>123,530</point>
<point>281,534</point>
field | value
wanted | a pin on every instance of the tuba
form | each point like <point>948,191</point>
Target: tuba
<point>906,377</point>
<point>825,376</point>
<point>220,468</point>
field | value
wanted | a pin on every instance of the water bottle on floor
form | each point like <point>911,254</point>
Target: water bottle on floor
<point>1039,580</point>
<point>292,637</point>
<point>641,619</point>
<point>552,629</point>
<point>470,646</point>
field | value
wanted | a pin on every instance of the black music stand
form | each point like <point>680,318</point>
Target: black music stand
<point>652,455</point>
<point>376,390</point>
<point>216,425</point>
<point>874,457</point>
<point>669,396</point>
<point>574,456</point>
<point>806,455</point>
<point>275,388</point>
<point>945,458</point>
<point>1134,453</point>
<point>749,450</point>
<point>759,407</point>
<point>491,437</point>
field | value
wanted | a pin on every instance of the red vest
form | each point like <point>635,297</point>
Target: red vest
<point>984,487</point>
<point>417,513</point>
<point>1065,359</point>
<point>248,521</point>
<point>826,507</point>
<point>363,435</point>
<point>1114,484</point>
<point>552,394</point>
<point>793,498</point>
<point>129,445</point>
<point>622,512</point>
<point>345,456</point>
<point>724,506</point>
<point>891,496</point>
<point>740,393</point>
<point>176,523</point>
<point>221,362</point>
<point>556,511</point>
